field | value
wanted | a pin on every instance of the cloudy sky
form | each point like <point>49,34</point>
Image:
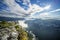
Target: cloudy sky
<point>44,9</point>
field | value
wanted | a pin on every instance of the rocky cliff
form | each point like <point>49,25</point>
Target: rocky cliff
<point>10,30</point>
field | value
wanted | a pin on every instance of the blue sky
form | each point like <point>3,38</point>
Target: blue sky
<point>55,3</point>
<point>44,9</point>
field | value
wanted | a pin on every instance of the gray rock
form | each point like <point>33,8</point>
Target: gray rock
<point>8,33</point>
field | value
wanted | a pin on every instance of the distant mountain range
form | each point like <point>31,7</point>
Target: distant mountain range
<point>45,29</point>
<point>10,19</point>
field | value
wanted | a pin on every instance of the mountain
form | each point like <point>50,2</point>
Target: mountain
<point>11,30</point>
<point>10,19</point>
<point>45,29</point>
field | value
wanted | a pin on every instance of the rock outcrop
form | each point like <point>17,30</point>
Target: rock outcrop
<point>8,33</point>
<point>10,30</point>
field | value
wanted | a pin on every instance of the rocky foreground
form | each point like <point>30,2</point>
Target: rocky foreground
<point>12,31</point>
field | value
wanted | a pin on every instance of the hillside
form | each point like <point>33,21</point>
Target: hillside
<point>11,30</point>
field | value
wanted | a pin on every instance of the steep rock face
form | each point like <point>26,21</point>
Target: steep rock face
<point>11,30</point>
<point>8,33</point>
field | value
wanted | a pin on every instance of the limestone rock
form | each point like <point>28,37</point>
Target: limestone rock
<point>8,34</point>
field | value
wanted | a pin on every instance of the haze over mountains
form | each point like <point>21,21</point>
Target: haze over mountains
<point>45,29</point>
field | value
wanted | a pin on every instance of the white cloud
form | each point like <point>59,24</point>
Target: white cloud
<point>26,2</point>
<point>51,15</point>
<point>35,8</point>
<point>47,7</point>
<point>18,0</point>
<point>16,9</point>
<point>46,15</point>
<point>23,24</point>
<point>55,10</point>
<point>41,16</point>
<point>5,13</point>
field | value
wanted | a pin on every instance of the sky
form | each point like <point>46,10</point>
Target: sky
<point>44,9</point>
<point>30,9</point>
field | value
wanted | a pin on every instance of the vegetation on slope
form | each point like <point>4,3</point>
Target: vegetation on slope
<point>22,34</point>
